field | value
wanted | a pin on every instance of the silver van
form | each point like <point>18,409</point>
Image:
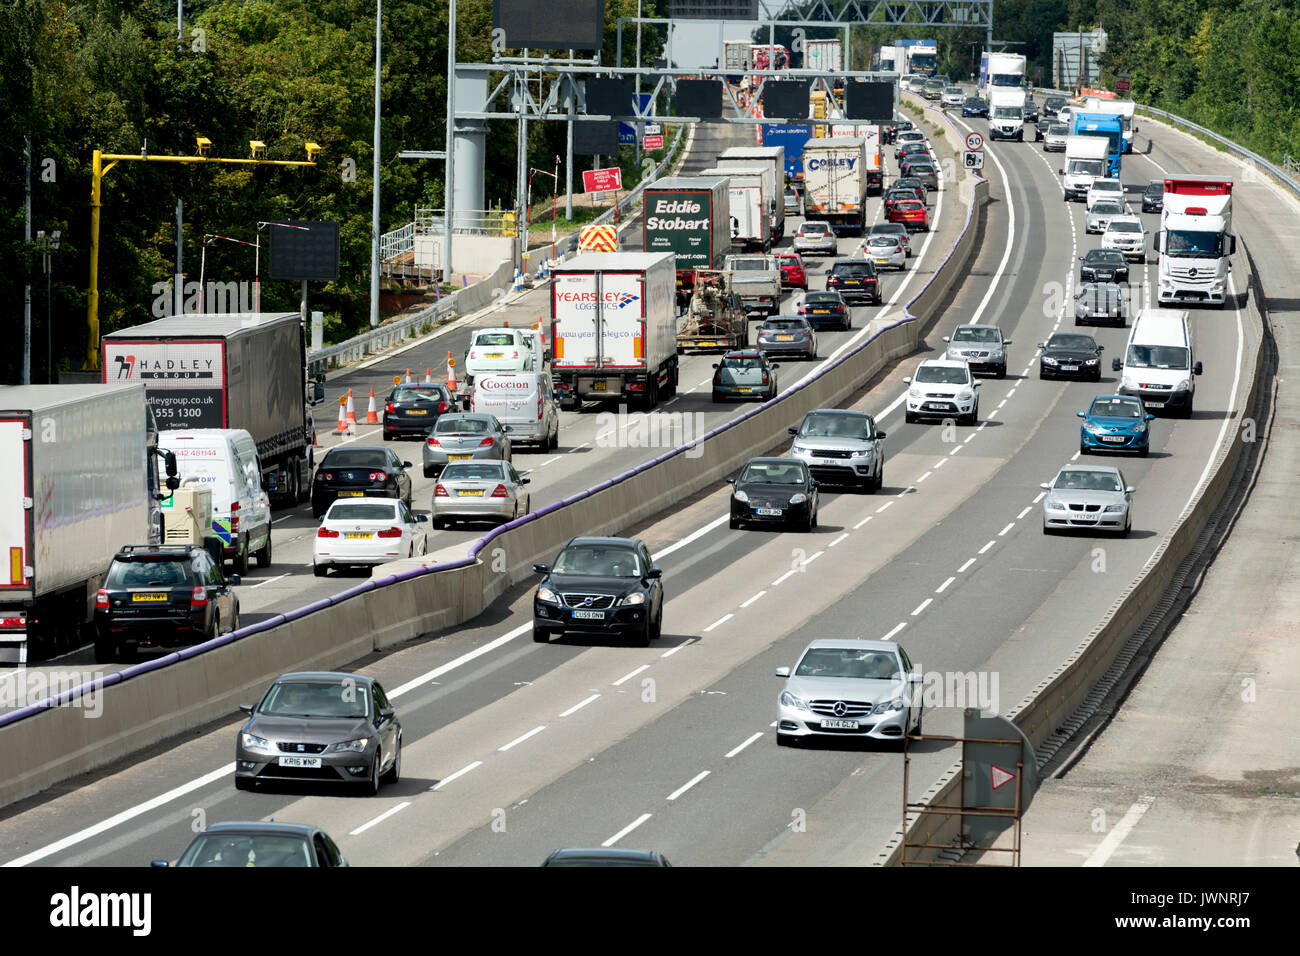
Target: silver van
<point>523,400</point>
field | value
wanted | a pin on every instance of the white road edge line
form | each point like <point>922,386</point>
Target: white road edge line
<point>688,784</point>
<point>381,818</point>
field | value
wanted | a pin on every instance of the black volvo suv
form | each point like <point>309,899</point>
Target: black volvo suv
<point>601,585</point>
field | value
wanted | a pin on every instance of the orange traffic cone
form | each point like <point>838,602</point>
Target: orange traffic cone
<point>408,376</point>
<point>372,417</point>
<point>352,412</point>
<point>451,373</point>
<point>343,425</point>
<point>428,376</point>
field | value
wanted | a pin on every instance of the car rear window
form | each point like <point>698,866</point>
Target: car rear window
<point>494,338</point>
<point>427,393</point>
<point>822,298</point>
<point>854,269</point>
<point>785,325</point>
<point>354,458</point>
<point>741,361</point>
<point>462,426</point>
<point>351,511</point>
<point>473,471</point>
<point>169,572</point>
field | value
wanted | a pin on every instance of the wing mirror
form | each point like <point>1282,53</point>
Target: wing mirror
<point>655,572</point>
<point>1129,490</point>
<point>1116,365</point>
<point>881,435</point>
<point>1198,368</point>
<point>783,672</point>
<point>542,568</point>
<point>1081,414</point>
<point>1150,417</point>
<point>1045,485</point>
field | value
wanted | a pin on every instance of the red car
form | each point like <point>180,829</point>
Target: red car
<point>792,271</point>
<point>911,214</point>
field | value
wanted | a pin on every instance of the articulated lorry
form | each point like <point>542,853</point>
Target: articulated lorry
<point>1106,126</point>
<point>773,157</point>
<point>735,59</point>
<point>871,134</point>
<point>1085,160</point>
<point>1194,241</point>
<point>1007,113</point>
<point>614,328</point>
<point>238,370</point>
<point>1124,109</point>
<point>79,479</point>
<point>690,217</point>
<point>835,175</point>
<point>749,196</point>
<point>791,139</point>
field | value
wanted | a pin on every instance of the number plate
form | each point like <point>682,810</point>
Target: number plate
<point>1069,368</point>
<point>417,411</point>
<point>459,457</point>
<point>358,534</point>
<point>882,262</point>
<point>706,345</point>
<point>470,492</point>
<point>598,386</point>
<point>768,512</point>
<point>1154,404</point>
<point>833,724</point>
<point>589,615</point>
<point>149,597</point>
<point>821,311</point>
<point>494,354</point>
<point>1116,439</point>
<point>744,391</point>
<point>352,494</point>
<point>785,338</point>
<point>309,762</point>
<point>936,406</point>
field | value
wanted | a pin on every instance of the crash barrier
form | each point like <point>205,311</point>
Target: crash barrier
<point>150,702</point>
<point>1049,714</point>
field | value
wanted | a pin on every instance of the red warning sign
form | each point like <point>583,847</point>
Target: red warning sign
<point>1000,776</point>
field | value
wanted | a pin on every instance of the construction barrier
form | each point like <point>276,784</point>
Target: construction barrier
<point>598,239</point>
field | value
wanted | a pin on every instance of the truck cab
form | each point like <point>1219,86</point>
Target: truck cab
<point>1085,160</point>
<point>1195,241</point>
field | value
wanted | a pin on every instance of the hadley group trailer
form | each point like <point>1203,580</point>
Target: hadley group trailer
<point>614,328</point>
<point>78,481</point>
<point>689,216</point>
<point>237,370</point>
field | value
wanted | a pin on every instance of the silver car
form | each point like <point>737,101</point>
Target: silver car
<point>816,237</point>
<point>1054,138</point>
<point>885,251</point>
<point>787,335</point>
<point>895,230</point>
<point>980,346</point>
<point>1090,497</point>
<point>953,97</point>
<point>465,436</point>
<point>849,688</point>
<point>925,172</point>
<point>1100,215</point>
<point>793,207</point>
<point>479,491</point>
<point>1100,302</point>
<point>841,447</point>
<point>908,136</point>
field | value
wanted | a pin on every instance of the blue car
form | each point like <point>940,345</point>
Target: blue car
<point>975,106</point>
<point>1115,423</point>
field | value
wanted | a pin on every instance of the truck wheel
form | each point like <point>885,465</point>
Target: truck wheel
<point>240,561</point>
<point>264,555</point>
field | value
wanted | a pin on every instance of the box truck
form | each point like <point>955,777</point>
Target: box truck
<point>1124,109</point>
<point>689,216</point>
<point>238,370</point>
<point>1195,240</point>
<point>773,157</point>
<point>1001,71</point>
<point>826,56</point>
<point>614,328</point>
<point>749,194</point>
<point>1085,160</point>
<point>1105,126</point>
<point>835,176</point>
<point>870,133</point>
<point>791,138</point>
<point>1007,113</point>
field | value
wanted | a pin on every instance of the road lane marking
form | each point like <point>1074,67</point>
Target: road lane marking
<point>549,461</point>
<point>1039,497</point>
<point>747,742</point>
<point>457,775</point>
<point>940,463</point>
<point>578,706</point>
<point>963,568</point>
<point>719,622</point>
<point>833,543</point>
<point>268,581</point>
<point>673,650</point>
<point>627,677</point>
<point>922,606</point>
<point>463,659</point>
<point>688,784</point>
<point>519,740</point>
<point>986,547</point>
<point>1010,525</point>
<point>890,635</point>
<point>923,477</point>
<point>943,587</point>
<point>627,829</point>
<point>381,818</point>
<point>692,537</point>
<point>883,507</point>
<point>754,598</point>
<point>1122,829</point>
<point>862,522</point>
<point>1028,509</point>
<point>906,490</point>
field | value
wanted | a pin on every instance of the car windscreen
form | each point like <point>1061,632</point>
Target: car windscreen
<point>1104,257</point>
<point>1075,343</point>
<point>1114,408</point>
<point>598,561</point>
<point>460,426</point>
<point>848,662</point>
<point>165,573</point>
<point>1186,244</point>
<point>1157,356</point>
<point>354,458</point>
<point>1088,481</point>
<point>1125,226</point>
<point>969,334</point>
<point>324,698</point>
<point>1058,129</point>
<point>473,471</point>
<point>858,427</point>
<point>1086,167</point>
<point>1106,207</point>
<point>351,511</point>
<point>942,375</point>
<point>1156,188</point>
<point>771,473</point>
<point>430,393</point>
<point>240,849</point>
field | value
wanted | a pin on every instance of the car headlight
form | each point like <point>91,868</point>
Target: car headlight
<point>889,706</point>
<point>350,746</point>
<point>798,449</point>
<point>965,395</point>
<point>547,595</point>
<point>1183,386</point>
<point>1090,362</point>
<point>914,393</point>
<point>740,496</point>
<point>637,597</point>
<point>255,743</point>
<point>1139,428</point>
<point>1114,508</point>
<point>864,453</point>
<point>798,499</point>
<point>1054,504</point>
<point>1048,360</point>
<point>789,700</point>
<point>1092,428</point>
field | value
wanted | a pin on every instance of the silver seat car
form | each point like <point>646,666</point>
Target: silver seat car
<point>895,229</point>
<point>468,436</point>
<point>841,447</point>
<point>479,491</point>
<point>849,688</point>
<point>1088,497</point>
<point>982,347</point>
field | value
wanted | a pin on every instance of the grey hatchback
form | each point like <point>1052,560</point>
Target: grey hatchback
<point>468,436</point>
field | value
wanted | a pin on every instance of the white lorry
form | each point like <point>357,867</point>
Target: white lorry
<point>1124,109</point>
<point>1195,240</point>
<point>871,134</point>
<point>78,481</point>
<point>750,190</point>
<point>1007,113</point>
<point>1001,71</point>
<point>836,179</point>
<point>1085,160</point>
<point>824,55</point>
<point>736,157</point>
<point>614,328</point>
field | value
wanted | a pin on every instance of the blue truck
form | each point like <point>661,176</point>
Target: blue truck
<point>1108,125</point>
<point>791,137</point>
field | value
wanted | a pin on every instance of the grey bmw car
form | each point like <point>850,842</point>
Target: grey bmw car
<point>1088,497</point>
<point>465,436</point>
<point>327,727</point>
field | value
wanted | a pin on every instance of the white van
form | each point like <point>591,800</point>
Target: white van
<point>1159,364</point>
<point>225,460</point>
<point>502,350</point>
<point>523,400</point>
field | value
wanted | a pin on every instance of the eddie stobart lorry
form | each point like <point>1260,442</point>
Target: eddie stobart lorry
<point>689,216</point>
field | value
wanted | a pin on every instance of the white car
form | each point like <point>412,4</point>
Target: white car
<point>1063,115</point>
<point>501,350</point>
<point>479,491</point>
<point>367,531</point>
<point>1125,233</point>
<point>1101,189</point>
<point>953,97</point>
<point>942,388</point>
<point>1090,497</point>
<point>885,250</point>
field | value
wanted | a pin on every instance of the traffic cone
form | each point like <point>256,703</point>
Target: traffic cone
<point>352,412</point>
<point>451,373</point>
<point>372,417</point>
<point>343,425</point>
<point>314,442</point>
<point>408,376</point>
<point>428,376</point>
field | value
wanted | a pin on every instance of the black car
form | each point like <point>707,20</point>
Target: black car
<point>1070,355</point>
<point>600,585</point>
<point>856,280</point>
<point>1101,302</point>
<point>413,409</point>
<point>260,844</point>
<point>360,472</point>
<point>1052,105</point>
<point>162,596</point>
<point>1103,265</point>
<point>826,310</point>
<point>1040,128</point>
<point>774,491</point>
<point>605,856</point>
<point>1031,110</point>
<point>1153,196</point>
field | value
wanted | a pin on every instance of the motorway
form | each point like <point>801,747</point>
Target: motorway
<point>513,749</point>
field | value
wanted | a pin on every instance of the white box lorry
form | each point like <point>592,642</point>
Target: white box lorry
<point>749,193</point>
<point>835,180</point>
<point>614,328</point>
<point>1007,113</point>
<point>871,134</point>
<point>1195,241</point>
<point>1124,109</point>
<point>1085,160</point>
<point>774,156</point>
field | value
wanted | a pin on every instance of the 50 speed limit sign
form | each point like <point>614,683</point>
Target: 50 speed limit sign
<point>974,141</point>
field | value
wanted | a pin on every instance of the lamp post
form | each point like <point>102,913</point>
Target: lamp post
<point>49,245</point>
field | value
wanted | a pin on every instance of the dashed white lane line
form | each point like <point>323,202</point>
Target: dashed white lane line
<point>692,537</point>
<point>673,650</point>
<point>268,581</point>
<point>940,463</point>
<point>943,587</point>
<point>1074,457</point>
<point>578,706</point>
<point>457,775</point>
<point>719,622</point>
<point>627,829</point>
<point>923,477</point>
<point>1028,508</point>
<point>883,507</point>
<point>629,676</point>
<point>381,818</point>
<point>986,547</point>
<point>908,490</point>
<point>738,749</point>
<point>962,569</point>
<point>862,522</point>
<point>1013,391</point>
<point>549,461</point>
<point>1039,497</point>
<point>1122,829</point>
<point>1001,403</point>
<point>688,784</point>
<point>519,740</point>
<point>969,438</point>
<point>1010,525</point>
<point>890,635</point>
<point>994,412</point>
<point>754,598</point>
<point>957,448</point>
<point>922,606</point>
<point>833,543</point>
